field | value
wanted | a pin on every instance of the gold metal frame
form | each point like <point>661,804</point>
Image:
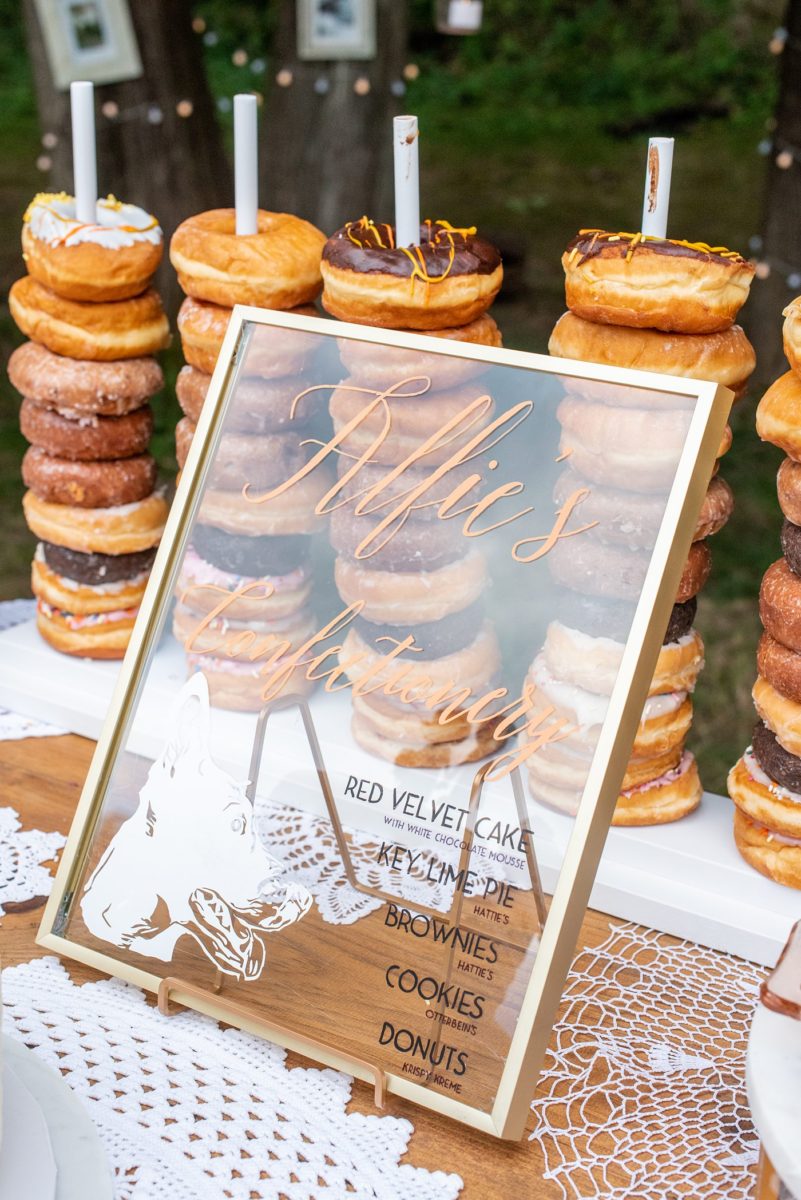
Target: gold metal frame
<point>529,1042</point>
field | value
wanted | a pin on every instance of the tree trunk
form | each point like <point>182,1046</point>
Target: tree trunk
<point>329,154</point>
<point>781,233</point>
<point>172,168</point>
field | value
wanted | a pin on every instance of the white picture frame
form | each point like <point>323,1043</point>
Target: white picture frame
<point>89,39</point>
<point>336,29</point>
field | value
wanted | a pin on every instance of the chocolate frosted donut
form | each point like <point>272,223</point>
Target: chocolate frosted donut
<point>791,546</point>
<point>369,249</point>
<point>83,386</point>
<point>416,546</point>
<point>784,768</point>
<point>96,569</point>
<point>249,556</point>
<point>432,639</point>
<point>681,620</point>
<point>258,405</point>
<point>88,484</point>
<point>86,437</point>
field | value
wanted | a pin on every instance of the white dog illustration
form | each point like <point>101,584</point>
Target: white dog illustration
<point>189,861</point>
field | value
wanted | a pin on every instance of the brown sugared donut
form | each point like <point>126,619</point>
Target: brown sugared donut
<point>780,605</point>
<point>780,666</point>
<point>113,258</point>
<point>278,267</point>
<point>257,406</point>
<point>292,511</point>
<point>768,852</point>
<point>123,530</point>
<point>791,333</point>
<point>778,415</point>
<point>654,283</point>
<point>63,593</point>
<point>93,635</point>
<point>240,686</point>
<point>451,278</point>
<point>276,353</point>
<point>399,597</point>
<point>379,366</point>
<point>716,509</point>
<point>261,461</point>
<point>791,546</point>
<point>726,357</point>
<point>88,484</point>
<point>80,329</point>
<point>788,488</point>
<point>109,389</point>
<point>86,438</point>
<point>696,572</point>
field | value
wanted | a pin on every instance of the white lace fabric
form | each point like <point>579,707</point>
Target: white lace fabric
<point>23,878</point>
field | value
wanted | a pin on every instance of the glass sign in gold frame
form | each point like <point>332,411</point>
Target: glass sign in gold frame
<point>350,793</point>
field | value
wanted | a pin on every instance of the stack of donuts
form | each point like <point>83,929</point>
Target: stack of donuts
<point>238,546</point>
<point>765,784</point>
<point>664,306</point>
<point>86,377</point>
<point>423,582</point>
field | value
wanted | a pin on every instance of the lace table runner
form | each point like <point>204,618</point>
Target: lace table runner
<point>23,880</point>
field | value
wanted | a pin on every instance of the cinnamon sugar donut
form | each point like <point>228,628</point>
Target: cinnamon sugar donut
<point>780,605</point>
<point>788,488</point>
<point>259,461</point>
<point>397,597</point>
<point>696,572</point>
<point>109,389</point>
<point>780,666</point>
<point>449,279</point>
<point>258,405</point>
<point>276,267</point>
<point>379,366</point>
<point>88,484</point>
<point>122,530</point>
<point>89,437</point>
<point>81,329</point>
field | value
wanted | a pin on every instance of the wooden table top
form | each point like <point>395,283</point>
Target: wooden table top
<point>42,780</point>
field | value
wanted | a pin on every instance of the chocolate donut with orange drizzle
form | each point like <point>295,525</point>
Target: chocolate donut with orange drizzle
<point>640,281</point>
<point>449,279</point>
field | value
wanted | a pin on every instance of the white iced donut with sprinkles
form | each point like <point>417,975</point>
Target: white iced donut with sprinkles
<point>113,258</point>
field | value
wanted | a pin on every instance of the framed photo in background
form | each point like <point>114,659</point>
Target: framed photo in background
<point>336,29</point>
<point>89,39</point>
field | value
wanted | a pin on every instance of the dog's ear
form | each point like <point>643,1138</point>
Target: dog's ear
<point>190,725</point>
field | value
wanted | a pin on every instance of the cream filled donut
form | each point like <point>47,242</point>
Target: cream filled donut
<point>248,641</point>
<point>276,267</point>
<point>450,278</point>
<point>126,529</point>
<point>671,796</point>
<point>380,366</point>
<point>112,258</point>
<point>641,281</point>
<point>773,854</point>
<point>398,597</point>
<point>410,725</point>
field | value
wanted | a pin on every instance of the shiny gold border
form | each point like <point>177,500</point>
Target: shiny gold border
<point>555,953</point>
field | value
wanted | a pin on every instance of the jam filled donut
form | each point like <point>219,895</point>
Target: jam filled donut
<point>277,267</point>
<point>108,389</point>
<point>113,258</point>
<point>450,279</point>
<point>202,326</point>
<point>123,530</point>
<point>726,357</point>
<point>640,281</point>
<point>88,484</point>
<point>778,415</point>
<point>80,329</point>
<point>86,437</point>
<point>381,366</point>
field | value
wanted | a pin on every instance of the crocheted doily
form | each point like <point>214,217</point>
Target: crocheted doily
<point>190,1111</point>
<point>22,877</point>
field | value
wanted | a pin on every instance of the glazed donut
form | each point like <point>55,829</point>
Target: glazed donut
<point>788,488</point>
<point>762,799</point>
<point>260,461</point>
<point>293,511</point>
<point>450,279</point>
<point>780,666</point>
<point>636,449</point>
<point>240,686</point>
<point>96,571</point>
<point>250,641</point>
<point>257,406</point>
<point>672,796</point>
<point>780,605</point>
<point>278,267</point>
<point>88,484</point>
<point>114,258</point>
<point>474,666</point>
<point>726,357</point>
<point>414,546</point>
<point>397,597</point>
<point>91,635</point>
<point>64,593</point>
<point>480,743</point>
<point>778,415</point>
<point>593,663</point>
<point>654,283</point>
<point>379,366</point>
<point>109,389</point>
<point>414,419</point>
<point>770,853</point>
<point>87,438</point>
<point>203,325</point>
<point>201,586</point>
<point>81,329</point>
<point>123,530</point>
<point>780,714</point>
<point>791,333</point>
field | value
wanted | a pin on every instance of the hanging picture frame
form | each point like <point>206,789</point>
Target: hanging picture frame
<point>89,39</point>
<point>342,797</point>
<point>329,29</point>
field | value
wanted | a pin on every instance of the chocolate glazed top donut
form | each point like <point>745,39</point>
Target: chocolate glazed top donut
<point>783,767</point>
<point>368,248</point>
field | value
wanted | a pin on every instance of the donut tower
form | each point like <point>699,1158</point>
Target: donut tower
<point>635,300</point>
<point>224,257</point>
<point>86,377</point>
<point>765,784</point>
<point>423,582</point>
